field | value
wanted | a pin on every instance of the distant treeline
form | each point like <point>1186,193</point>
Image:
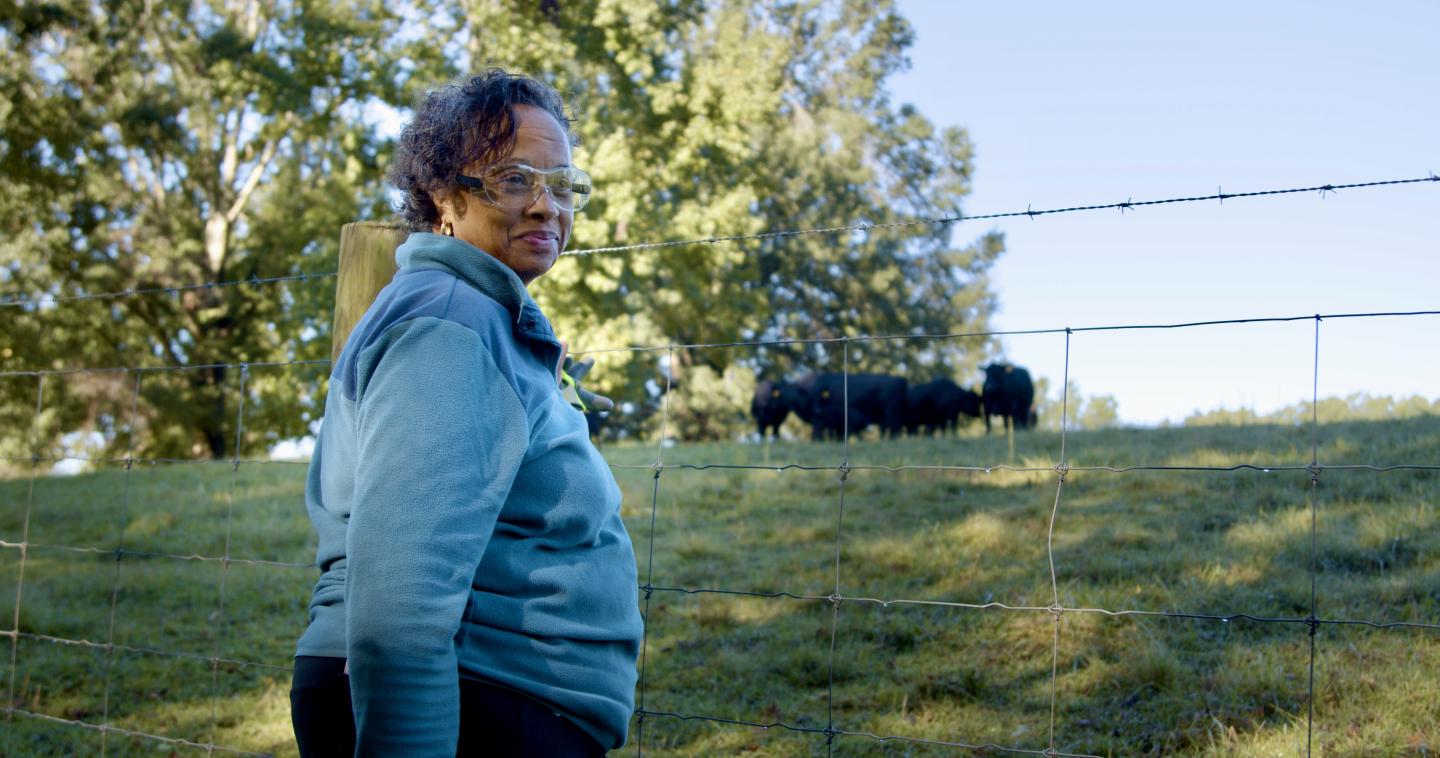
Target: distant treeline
<point>1357,406</point>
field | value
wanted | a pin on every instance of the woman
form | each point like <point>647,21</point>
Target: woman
<point>478,591</point>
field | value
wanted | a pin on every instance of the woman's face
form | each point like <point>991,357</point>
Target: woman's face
<point>528,240</point>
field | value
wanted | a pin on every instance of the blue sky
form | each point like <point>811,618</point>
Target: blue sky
<point>1077,104</point>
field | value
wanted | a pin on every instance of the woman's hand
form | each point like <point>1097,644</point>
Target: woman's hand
<point>571,372</point>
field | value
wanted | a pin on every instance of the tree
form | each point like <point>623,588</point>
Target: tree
<point>162,143</point>
<point>1081,412</point>
<point>721,118</point>
<point>1357,406</point>
<point>153,144</point>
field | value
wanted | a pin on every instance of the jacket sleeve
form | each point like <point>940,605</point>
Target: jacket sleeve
<point>441,436</point>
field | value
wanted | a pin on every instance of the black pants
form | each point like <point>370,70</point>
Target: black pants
<point>493,721</point>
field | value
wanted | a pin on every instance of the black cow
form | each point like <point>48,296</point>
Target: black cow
<point>871,398</point>
<point>937,406</point>
<point>796,396</point>
<point>770,406</point>
<point>1008,393</point>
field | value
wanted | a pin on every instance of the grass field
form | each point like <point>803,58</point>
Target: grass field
<point>202,646</point>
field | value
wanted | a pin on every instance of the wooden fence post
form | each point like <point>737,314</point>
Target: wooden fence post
<point>367,264</point>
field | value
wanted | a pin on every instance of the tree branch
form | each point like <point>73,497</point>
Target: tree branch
<point>148,178</point>
<point>140,308</point>
<point>229,158</point>
<point>267,154</point>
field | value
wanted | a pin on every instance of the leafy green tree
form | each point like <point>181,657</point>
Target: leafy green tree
<point>158,143</point>
<point>1357,406</point>
<point>702,119</point>
<point>1081,412</point>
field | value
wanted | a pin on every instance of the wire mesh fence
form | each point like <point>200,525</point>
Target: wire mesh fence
<point>85,668</point>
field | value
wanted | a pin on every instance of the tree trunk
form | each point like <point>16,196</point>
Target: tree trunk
<point>217,232</point>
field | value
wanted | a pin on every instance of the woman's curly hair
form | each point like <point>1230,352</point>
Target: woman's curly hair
<point>459,125</point>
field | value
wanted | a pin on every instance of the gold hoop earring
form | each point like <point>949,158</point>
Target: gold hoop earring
<point>447,229</point>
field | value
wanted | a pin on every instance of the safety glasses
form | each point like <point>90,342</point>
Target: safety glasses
<point>516,186</point>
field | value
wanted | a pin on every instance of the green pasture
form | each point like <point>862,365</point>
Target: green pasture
<point>201,646</point>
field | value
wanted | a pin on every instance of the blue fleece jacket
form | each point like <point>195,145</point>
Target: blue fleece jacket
<point>467,527</point>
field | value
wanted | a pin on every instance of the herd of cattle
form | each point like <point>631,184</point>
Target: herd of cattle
<point>892,403</point>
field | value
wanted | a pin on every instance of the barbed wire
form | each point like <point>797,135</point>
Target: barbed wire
<point>21,298</point>
<point>1127,205</point>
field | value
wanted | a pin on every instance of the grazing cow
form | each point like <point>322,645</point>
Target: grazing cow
<point>1008,393</point>
<point>872,399</point>
<point>770,406</point>
<point>796,396</point>
<point>971,405</point>
<point>937,406</point>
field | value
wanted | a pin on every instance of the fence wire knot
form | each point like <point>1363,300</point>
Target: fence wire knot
<point>649,590</point>
<point>1061,469</point>
<point>844,470</point>
<point>1056,610</point>
<point>1313,623</point>
<point>835,599</point>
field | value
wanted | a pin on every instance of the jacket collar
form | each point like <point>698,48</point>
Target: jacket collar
<point>426,250</point>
